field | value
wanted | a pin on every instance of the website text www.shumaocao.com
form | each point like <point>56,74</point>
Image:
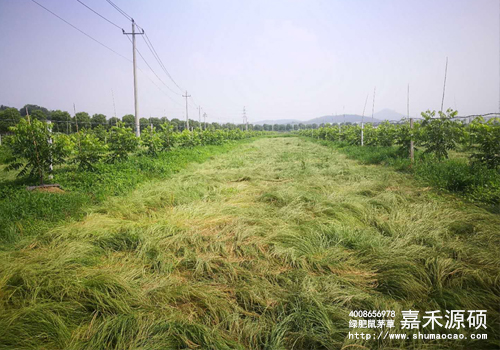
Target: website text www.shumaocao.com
<point>381,324</point>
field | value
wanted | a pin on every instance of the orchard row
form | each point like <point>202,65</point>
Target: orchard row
<point>34,149</point>
<point>437,135</point>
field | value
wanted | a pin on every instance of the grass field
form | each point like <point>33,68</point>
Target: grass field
<point>267,246</point>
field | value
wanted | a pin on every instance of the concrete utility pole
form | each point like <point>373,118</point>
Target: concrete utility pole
<point>187,117</point>
<point>363,123</point>
<point>76,119</point>
<point>205,120</point>
<point>408,102</point>
<point>245,119</point>
<point>114,106</point>
<point>373,106</point>
<point>340,124</point>
<point>137,126</point>
<point>444,85</point>
<point>199,116</point>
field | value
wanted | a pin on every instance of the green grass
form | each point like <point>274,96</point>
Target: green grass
<point>457,175</point>
<point>268,246</point>
<point>24,213</point>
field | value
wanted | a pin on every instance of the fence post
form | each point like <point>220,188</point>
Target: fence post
<point>412,152</point>
<point>51,166</point>
<point>362,139</point>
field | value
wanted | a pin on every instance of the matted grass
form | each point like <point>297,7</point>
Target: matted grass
<point>269,246</point>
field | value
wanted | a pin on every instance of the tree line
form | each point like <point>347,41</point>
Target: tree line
<point>65,123</point>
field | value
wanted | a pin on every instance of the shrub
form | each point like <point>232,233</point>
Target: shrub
<point>122,141</point>
<point>34,149</point>
<point>439,135</point>
<point>89,151</point>
<point>152,141</point>
<point>487,142</point>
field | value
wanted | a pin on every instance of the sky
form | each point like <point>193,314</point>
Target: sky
<point>280,59</point>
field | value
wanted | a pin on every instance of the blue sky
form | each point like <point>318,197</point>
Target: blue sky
<point>279,58</point>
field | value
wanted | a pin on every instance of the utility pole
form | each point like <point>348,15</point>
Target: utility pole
<point>76,120</point>
<point>408,103</point>
<point>363,122</point>
<point>245,119</point>
<point>444,85</point>
<point>205,120</point>
<point>373,106</point>
<point>114,106</point>
<point>199,115</point>
<point>412,147</point>
<point>340,124</point>
<point>187,117</point>
<point>137,126</point>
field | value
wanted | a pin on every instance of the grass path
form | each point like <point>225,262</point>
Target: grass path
<point>269,246</point>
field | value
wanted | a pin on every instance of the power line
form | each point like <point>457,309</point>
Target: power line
<point>119,10</point>
<point>116,25</point>
<point>193,103</point>
<point>81,31</point>
<point>151,80</point>
<point>148,42</point>
<point>159,62</point>
<point>158,59</point>
<point>151,48</point>
<point>140,54</point>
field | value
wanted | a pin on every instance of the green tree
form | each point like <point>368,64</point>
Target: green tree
<point>121,142</point>
<point>61,120</point>
<point>439,135</point>
<point>98,119</point>
<point>129,121</point>
<point>113,121</point>
<point>144,123</point>
<point>101,133</point>
<point>487,142</point>
<point>8,117</point>
<point>386,133</point>
<point>89,151</point>
<point>38,115</point>
<point>152,141</point>
<point>155,121</point>
<point>404,135</point>
<point>83,120</point>
<point>178,124</point>
<point>32,108</point>
<point>32,152</point>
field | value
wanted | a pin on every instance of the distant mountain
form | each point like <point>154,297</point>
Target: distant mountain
<point>384,114</point>
<point>277,121</point>
<point>388,114</point>
<point>349,118</point>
